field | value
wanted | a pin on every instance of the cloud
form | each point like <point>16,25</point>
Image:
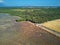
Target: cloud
<point>1,1</point>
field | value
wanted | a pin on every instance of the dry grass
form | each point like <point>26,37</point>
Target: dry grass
<point>55,25</point>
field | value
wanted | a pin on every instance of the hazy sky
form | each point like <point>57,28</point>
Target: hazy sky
<point>30,2</point>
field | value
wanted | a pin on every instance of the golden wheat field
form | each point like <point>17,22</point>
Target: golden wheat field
<point>55,25</point>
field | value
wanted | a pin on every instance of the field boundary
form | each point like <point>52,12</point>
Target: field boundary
<point>48,29</point>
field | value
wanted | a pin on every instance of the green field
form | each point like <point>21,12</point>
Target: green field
<point>37,15</point>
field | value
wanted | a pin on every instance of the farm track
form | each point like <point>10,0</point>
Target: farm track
<point>49,30</point>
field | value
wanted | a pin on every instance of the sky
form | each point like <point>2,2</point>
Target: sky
<point>30,2</point>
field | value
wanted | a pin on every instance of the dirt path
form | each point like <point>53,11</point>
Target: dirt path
<point>49,30</point>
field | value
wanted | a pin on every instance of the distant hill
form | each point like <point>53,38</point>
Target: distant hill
<point>2,5</point>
